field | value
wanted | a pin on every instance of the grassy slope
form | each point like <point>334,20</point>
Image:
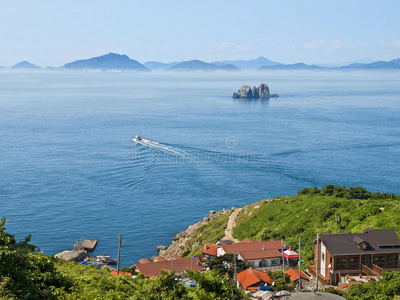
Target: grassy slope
<point>212,232</point>
<point>305,216</point>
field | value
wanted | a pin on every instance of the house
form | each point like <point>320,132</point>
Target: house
<point>262,254</point>
<point>369,253</point>
<point>251,279</point>
<point>209,251</point>
<point>294,276</point>
<point>152,269</point>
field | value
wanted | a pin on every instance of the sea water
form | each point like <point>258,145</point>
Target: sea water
<point>69,168</point>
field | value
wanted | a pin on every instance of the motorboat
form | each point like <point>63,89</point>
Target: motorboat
<point>137,138</point>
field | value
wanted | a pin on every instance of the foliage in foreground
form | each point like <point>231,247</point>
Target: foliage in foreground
<point>307,214</point>
<point>225,264</point>
<point>384,289</point>
<point>25,274</point>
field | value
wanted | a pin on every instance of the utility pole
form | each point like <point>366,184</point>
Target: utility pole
<point>283,261</point>
<point>300,263</point>
<point>119,252</point>
<point>172,263</point>
<point>234,262</point>
<point>316,271</point>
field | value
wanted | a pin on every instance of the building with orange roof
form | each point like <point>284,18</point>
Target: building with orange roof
<point>251,279</point>
<point>160,258</point>
<point>209,251</point>
<point>144,261</point>
<point>294,276</point>
<point>262,254</point>
<point>246,240</point>
<point>121,273</point>
<point>178,265</point>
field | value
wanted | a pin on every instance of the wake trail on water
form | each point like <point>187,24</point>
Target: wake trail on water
<point>162,147</point>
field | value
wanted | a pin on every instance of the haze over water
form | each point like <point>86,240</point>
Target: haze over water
<point>69,168</point>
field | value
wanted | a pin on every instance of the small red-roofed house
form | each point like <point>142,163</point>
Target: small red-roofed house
<point>246,240</point>
<point>262,254</point>
<point>121,273</point>
<point>144,261</point>
<point>294,276</point>
<point>178,265</point>
<point>251,279</point>
<point>160,258</point>
<point>209,251</point>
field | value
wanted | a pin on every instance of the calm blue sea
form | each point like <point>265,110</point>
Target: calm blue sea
<point>69,168</point>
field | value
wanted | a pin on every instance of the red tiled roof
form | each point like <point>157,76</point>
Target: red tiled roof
<point>294,274</point>
<point>260,254</point>
<point>177,257</point>
<point>160,258</point>
<point>179,265</point>
<point>209,249</point>
<point>246,240</point>
<point>144,261</point>
<point>250,277</point>
<point>121,273</point>
<point>251,246</point>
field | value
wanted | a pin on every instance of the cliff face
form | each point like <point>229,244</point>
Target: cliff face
<point>247,92</point>
<point>211,229</point>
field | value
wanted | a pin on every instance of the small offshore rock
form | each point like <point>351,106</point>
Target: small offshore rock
<point>248,92</point>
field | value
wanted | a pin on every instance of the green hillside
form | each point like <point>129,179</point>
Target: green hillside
<point>313,211</point>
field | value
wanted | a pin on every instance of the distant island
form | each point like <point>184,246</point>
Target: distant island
<point>247,92</point>
<point>251,64</point>
<point>158,66</point>
<point>201,66</point>
<point>111,62</point>
<point>25,65</point>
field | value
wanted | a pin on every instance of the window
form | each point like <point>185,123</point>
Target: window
<point>323,256</point>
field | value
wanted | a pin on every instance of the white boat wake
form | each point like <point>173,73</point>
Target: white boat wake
<point>162,147</point>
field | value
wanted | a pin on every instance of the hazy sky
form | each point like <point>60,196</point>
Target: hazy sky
<point>53,32</point>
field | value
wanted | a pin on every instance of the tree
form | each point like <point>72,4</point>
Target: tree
<point>25,274</point>
<point>225,265</point>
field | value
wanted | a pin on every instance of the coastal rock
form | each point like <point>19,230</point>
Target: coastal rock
<point>161,247</point>
<point>180,243</point>
<point>247,92</point>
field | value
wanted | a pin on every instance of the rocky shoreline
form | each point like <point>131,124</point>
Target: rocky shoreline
<point>180,244</point>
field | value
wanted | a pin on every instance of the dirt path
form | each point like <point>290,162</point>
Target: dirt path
<point>231,222</point>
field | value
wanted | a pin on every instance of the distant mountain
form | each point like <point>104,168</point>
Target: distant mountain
<point>156,66</point>
<point>201,66</point>
<point>108,62</point>
<point>298,66</point>
<point>379,65</point>
<point>342,64</point>
<point>251,64</point>
<point>1,67</point>
<point>396,61</point>
<point>25,65</point>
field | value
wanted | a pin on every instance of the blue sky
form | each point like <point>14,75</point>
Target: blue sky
<point>51,33</point>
